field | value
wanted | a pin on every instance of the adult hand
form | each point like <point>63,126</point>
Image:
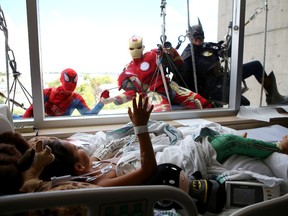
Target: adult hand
<point>105,94</point>
<point>107,100</point>
<point>141,113</point>
<point>169,50</point>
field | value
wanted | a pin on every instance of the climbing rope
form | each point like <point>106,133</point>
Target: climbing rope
<point>11,61</point>
<point>192,48</point>
<point>258,11</point>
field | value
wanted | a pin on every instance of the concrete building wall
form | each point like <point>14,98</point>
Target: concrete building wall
<point>275,56</point>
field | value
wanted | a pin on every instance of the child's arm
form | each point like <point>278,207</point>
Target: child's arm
<point>139,117</point>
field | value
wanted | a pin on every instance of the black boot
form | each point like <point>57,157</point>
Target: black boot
<point>272,94</point>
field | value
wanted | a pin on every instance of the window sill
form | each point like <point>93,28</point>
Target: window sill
<point>227,121</point>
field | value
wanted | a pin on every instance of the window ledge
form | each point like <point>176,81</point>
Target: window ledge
<point>227,121</point>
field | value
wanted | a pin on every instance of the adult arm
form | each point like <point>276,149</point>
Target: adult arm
<point>121,98</point>
<point>85,110</point>
<point>125,82</point>
<point>29,112</point>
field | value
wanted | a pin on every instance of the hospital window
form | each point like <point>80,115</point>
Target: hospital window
<point>49,36</point>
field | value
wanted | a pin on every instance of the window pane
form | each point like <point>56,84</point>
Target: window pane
<point>266,41</point>
<point>14,57</point>
<point>92,38</point>
<point>265,45</point>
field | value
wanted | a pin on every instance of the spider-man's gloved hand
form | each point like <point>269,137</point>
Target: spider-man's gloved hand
<point>105,94</point>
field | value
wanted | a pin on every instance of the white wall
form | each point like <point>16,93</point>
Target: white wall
<point>276,42</point>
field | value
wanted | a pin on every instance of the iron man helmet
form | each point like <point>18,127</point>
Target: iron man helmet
<point>136,46</point>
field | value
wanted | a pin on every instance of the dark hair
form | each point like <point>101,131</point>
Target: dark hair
<point>63,163</point>
<point>12,148</point>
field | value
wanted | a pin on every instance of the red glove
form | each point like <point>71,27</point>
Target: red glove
<point>105,94</point>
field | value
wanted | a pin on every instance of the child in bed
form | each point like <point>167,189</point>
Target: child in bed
<point>74,161</point>
<point>70,160</point>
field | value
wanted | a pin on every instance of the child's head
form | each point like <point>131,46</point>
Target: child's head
<point>63,163</point>
<point>12,148</point>
<point>69,160</point>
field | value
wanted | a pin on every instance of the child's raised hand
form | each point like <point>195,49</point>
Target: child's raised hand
<point>141,113</point>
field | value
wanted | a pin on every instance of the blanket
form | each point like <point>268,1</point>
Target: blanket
<point>182,146</point>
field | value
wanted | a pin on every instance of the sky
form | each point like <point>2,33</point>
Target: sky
<point>92,35</point>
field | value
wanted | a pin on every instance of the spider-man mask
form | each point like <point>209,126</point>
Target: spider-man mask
<point>69,79</point>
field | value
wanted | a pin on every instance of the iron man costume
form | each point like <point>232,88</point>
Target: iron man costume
<point>142,75</point>
<point>63,100</point>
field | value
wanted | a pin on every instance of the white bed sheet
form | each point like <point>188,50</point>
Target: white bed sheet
<point>271,133</point>
<point>191,129</point>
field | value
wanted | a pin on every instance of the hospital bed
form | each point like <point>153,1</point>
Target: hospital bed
<point>133,200</point>
<point>136,200</point>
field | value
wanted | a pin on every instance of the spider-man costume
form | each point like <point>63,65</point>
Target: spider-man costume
<point>142,75</point>
<point>63,100</point>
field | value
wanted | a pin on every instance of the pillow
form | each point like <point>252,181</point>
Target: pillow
<point>5,125</point>
<point>243,162</point>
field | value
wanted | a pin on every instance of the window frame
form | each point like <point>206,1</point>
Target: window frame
<point>40,121</point>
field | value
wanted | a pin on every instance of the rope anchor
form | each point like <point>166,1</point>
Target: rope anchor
<point>10,60</point>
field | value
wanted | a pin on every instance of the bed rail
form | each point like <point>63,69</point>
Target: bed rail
<point>98,200</point>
